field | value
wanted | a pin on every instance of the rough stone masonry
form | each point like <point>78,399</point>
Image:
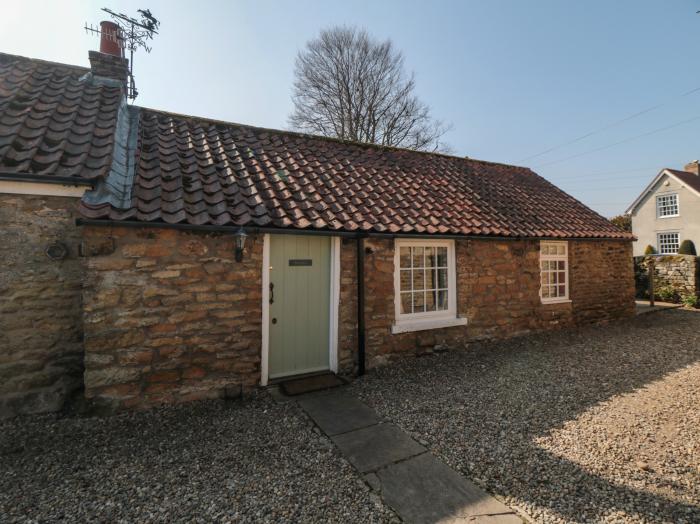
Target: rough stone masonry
<point>171,317</point>
<point>41,357</point>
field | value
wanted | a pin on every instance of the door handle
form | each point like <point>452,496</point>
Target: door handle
<point>272,293</point>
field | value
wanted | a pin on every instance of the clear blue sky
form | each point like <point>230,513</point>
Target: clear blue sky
<point>513,77</point>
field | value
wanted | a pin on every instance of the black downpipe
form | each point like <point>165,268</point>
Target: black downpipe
<point>360,305</point>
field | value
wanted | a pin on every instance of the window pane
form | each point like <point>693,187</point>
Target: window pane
<point>562,291</point>
<point>406,303</point>
<point>419,302</point>
<point>562,277</point>
<point>545,291</point>
<point>417,257</point>
<point>561,249</point>
<point>430,300</point>
<point>431,278</point>
<point>442,300</point>
<point>561,265</point>
<point>405,257</point>
<point>418,280</point>
<point>429,257</point>
<point>405,280</point>
<point>442,278</point>
<point>442,257</point>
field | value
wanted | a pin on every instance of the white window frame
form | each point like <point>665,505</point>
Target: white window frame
<point>405,322</point>
<point>659,243</point>
<point>659,207</point>
<point>556,258</point>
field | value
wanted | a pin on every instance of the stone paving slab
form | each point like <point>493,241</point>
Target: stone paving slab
<point>337,413</point>
<point>376,446</point>
<point>424,489</point>
<point>419,487</point>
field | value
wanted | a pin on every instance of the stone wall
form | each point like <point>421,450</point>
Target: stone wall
<point>675,276</point>
<point>498,292</point>
<point>41,359</point>
<point>170,316</point>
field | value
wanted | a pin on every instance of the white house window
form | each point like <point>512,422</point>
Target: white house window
<point>667,205</point>
<point>425,285</point>
<point>668,243</point>
<point>554,272</point>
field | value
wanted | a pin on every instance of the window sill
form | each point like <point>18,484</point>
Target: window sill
<point>667,216</point>
<point>557,301</point>
<point>407,326</point>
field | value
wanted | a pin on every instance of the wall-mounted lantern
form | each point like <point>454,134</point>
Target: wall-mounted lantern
<point>240,237</point>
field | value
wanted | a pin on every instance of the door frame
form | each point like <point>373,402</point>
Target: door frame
<point>334,308</point>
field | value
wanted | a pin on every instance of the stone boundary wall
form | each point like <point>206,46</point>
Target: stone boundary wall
<point>170,316</point>
<point>681,273</point>
<point>498,292</point>
<point>41,354</point>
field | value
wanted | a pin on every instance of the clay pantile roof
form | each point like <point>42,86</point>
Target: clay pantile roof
<point>689,179</point>
<point>152,166</point>
<point>197,171</point>
<point>54,122</point>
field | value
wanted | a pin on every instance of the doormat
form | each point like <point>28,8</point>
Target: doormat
<point>299,386</point>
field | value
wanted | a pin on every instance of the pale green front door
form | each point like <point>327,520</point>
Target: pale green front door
<point>300,268</point>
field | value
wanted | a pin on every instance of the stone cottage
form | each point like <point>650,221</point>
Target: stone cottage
<point>151,257</point>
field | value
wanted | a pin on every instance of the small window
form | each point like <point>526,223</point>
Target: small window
<point>668,243</point>
<point>425,279</point>
<point>554,272</point>
<point>667,205</point>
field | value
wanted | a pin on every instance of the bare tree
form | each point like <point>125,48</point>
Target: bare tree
<point>351,86</point>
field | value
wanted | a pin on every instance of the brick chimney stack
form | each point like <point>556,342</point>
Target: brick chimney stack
<point>693,167</point>
<point>109,61</point>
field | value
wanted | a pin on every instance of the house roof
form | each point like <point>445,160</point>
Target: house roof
<point>178,169</point>
<point>690,180</point>
<point>54,120</point>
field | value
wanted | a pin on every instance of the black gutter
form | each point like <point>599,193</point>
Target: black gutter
<point>319,232</point>
<point>423,236</point>
<point>360,305</point>
<point>46,179</point>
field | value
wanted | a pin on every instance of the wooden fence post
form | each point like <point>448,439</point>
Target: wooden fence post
<point>651,282</point>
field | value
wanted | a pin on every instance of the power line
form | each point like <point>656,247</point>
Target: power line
<point>626,140</point>
<point>605,174</point>
<point>610,125</point>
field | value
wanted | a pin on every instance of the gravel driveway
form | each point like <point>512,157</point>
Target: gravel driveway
<point>249,461</point>
<point>600,424</point>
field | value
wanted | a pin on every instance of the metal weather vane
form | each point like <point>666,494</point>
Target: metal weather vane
<point>133,34</point>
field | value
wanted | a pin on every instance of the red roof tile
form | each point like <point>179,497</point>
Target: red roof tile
<point>52,122</point>
<point>198,171</point>
<point>186,170</point>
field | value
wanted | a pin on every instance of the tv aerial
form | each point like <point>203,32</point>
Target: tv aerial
<point>131,35</point>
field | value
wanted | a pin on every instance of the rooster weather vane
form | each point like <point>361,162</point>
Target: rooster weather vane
<point>132,34</point>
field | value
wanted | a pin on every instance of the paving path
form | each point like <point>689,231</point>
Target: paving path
<point>417,485</point>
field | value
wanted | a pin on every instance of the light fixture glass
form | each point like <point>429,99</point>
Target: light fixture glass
<point>240,243</point>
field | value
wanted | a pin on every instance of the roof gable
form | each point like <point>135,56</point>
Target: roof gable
<point>690,180</point>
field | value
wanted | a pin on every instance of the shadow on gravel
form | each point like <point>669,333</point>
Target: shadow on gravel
<point>482,409</point>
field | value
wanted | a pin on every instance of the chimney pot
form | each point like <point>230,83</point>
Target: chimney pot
<point>110,39</point>
<point>693,167</point>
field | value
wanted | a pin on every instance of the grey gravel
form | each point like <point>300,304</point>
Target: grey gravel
<point>253,460</point>
<point>599,424</point>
